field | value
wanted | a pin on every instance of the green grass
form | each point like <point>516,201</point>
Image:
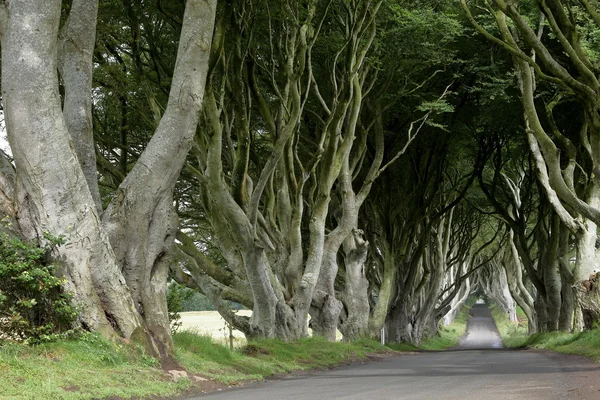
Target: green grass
<point>91,367</point>
<point>585,343</point>
<point>86,368</point>
<point>515,336</point>
<point>260,359</point>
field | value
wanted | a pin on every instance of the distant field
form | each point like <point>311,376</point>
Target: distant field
<point>211,324</point>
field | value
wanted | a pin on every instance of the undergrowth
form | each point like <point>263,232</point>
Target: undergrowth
<point>33,306</point>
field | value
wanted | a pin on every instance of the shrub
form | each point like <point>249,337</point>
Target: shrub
<point>176,295</point>
<point>33,306</point>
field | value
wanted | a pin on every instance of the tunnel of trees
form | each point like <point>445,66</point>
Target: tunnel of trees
<point>338,164</point>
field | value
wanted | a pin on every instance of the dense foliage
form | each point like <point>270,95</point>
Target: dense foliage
<point>33,305</point>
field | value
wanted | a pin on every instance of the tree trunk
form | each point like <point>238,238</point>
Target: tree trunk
<point>385,294</point>
<point>514,275</point>
<point>355,295</point>
<point>120,288</point>
<point>400,321</point>
<point>587,293</point>
<point>76,47</point>
<point>325,307</point>
<point>551,275</point>
<point>49,175</point>
<point>141,220</point>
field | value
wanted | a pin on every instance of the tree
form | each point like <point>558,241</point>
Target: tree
<point>554,68</point>
<point>115,261</point>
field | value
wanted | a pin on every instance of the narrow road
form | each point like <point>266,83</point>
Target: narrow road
<point>481,330</point>
<point>478,370</point>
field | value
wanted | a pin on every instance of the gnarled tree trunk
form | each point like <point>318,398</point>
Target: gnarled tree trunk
<point>116,267</point>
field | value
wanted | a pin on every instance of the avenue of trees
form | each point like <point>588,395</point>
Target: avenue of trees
<point>332,164</point>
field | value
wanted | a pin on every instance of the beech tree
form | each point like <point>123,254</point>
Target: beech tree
<point>116,259</point>
<point>549,52</point>
<point>358,164</point>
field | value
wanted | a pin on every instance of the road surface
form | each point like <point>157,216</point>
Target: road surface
<point>481,330</point>
<point>478,370</point>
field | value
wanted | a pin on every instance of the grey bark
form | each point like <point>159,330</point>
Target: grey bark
<point>8,193</point>
<point>55,186</point>
<point>355,296</point>
<point>75,50</point>
<point>386,290</point>
<point>514,274</point>
<point>118,291</point>
<point>587,293</point>
<point>141,220</point>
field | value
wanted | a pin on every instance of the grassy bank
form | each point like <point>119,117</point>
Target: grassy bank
<point>515,335</point>
<point>90,367</point>
<point>260,359</point>
<point>86,368</point>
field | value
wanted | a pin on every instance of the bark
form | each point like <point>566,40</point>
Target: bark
<point>587,293</point>
<point>355,297</point>
<point>386,289</point>
<point>76,47</point>
<point>551,276</point>
<point>414,314</point>
<point>326,308</point>
<point>141,220</point>
<point>567,275</point>
<point>8,193</point>
<point>522,296</point>
<point>120,287</point>
<point>401,316</point>
<point>588,258</point>
<point>49,175</point>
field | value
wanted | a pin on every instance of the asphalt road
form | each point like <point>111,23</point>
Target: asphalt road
<point>478,370</point>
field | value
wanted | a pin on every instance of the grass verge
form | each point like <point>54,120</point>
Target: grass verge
<point>92,368</point>
<point>585,343</point>
<point>86,368</point>
<point>515,335</point>
<point>263,358</point>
